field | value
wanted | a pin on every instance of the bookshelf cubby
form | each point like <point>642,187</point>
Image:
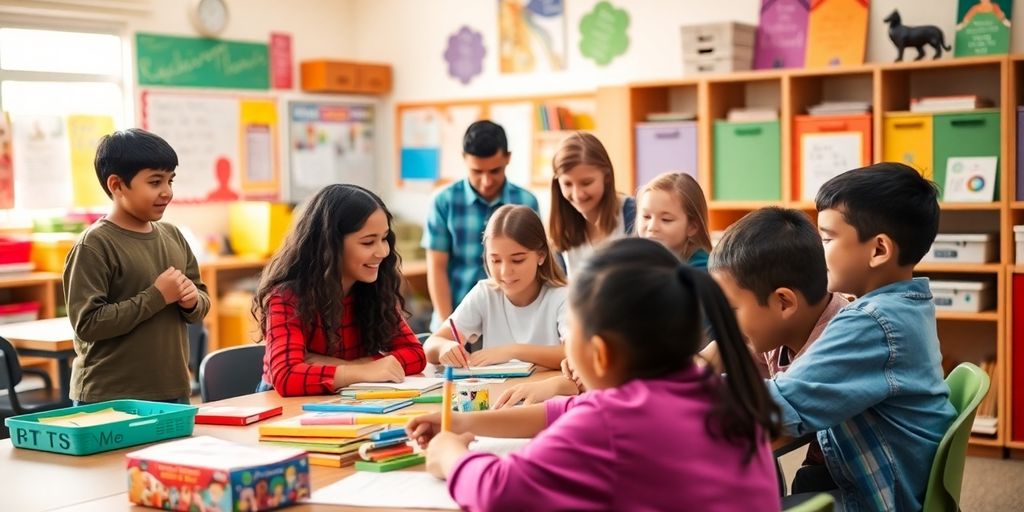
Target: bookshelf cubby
<point>889,88</point>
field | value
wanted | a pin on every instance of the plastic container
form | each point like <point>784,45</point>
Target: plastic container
<point>717,40</point>
<point>664,147</point>
<point>15,250</point>
<point>58,225</point>
<point>827,146</point>
<point>968,296</point>
<point>962,248</point>
<point>159,421</point>
<point>908,139</point>
<point>50,250</point>
<point>966,134</point>
<point>19,312</point>
<point>747,161</point>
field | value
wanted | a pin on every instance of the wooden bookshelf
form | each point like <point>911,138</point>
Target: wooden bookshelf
<point>888,87</point>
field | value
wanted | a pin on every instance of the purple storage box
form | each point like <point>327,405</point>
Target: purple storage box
<point>663,147</point>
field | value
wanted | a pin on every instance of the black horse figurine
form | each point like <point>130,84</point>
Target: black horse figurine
<point>903,36</point>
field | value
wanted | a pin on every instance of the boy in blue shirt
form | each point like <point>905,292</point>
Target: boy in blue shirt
<point>872,386</point>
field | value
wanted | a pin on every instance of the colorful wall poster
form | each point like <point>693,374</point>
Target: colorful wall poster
<point>421,144</point>
<point>781,35</point>
<point>258,138</point>
<point>41,162</point>
<point>603,33</point>
<point>982,27</point>
<point>203,130</point>
<point>84,133</point>
<point>531,35</point>
<point>280,60</point>
<point>6,163</point>
<point>837,32</point>
<point>329,143</point>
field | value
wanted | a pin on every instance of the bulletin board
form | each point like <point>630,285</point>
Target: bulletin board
<point>227,144</point>
<point>430,135</point>
<point>329,142</point>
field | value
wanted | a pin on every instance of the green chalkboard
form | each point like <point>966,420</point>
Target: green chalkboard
<point>195,62</point>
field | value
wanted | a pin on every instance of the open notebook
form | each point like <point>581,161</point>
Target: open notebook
<point>496,371</point>
<point>421,384</point>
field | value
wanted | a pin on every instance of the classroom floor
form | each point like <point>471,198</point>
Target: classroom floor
<point>989,484</point>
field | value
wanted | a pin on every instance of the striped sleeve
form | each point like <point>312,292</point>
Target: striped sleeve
<point>284,364</point>
<point>408,350</point>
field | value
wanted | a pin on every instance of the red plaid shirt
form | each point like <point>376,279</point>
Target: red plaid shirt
<point>284,364</point>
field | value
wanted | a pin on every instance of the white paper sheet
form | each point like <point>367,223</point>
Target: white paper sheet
<point>498,445</point>
<point>418,489</point>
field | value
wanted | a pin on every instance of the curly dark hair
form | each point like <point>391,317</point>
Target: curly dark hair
<point>309,264</point>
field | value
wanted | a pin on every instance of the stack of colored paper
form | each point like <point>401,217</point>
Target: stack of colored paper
<point>334,445</point>
<point>387,451</point>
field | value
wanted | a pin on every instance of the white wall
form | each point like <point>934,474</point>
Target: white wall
<point>411,35</point>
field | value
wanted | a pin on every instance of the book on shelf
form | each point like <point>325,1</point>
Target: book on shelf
<point>949,103</point>
<point>827,108</point>
<point>984,425</point>
<point>986,420</point>
<point>668,117</point>
<point>745,115</point>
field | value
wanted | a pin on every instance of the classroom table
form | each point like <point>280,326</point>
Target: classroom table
<point>53,338</point>
<point>33,480</point>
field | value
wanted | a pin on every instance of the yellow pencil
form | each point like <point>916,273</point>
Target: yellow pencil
<point>446,399</point>
<point>370,395</point>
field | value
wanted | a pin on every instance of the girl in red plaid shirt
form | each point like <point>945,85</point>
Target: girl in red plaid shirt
<point>329,302</point>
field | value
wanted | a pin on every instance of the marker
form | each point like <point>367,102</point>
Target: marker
<point>446,399</point>
<point>427,399</point>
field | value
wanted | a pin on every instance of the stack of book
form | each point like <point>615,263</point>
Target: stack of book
<point>334,445</point>
<point>830,108</point>
<point>986,420</point>
<point>753,114</point>
<point>964,102</point>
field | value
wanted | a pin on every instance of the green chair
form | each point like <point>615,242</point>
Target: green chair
<point>823,502</point>
<point>968,384</point>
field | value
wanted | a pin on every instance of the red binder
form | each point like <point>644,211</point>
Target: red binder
<point>228,415</point>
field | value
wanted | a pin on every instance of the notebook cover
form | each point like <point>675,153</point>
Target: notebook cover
<point>344,404</point>
<point>227,415</point>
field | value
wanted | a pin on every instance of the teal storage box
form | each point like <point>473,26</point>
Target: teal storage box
<point>747,161</point>
<point>157,421</point>
<point>965,134</point>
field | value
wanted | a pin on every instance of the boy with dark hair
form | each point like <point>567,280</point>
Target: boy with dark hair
<point>460,211</point>
<point>132,283</point>
<point>771,267</point>
<point>872,386</point>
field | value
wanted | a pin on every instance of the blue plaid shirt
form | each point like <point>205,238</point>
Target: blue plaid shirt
<point>871,387</point>
<point>456,226</point>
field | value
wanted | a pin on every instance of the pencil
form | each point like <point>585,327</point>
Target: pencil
<point>458,340</point>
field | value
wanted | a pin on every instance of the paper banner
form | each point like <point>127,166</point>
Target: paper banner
<point>84,133</point>
<point>41,162</point>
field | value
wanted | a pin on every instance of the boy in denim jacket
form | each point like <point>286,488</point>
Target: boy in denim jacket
<point>872,386</point>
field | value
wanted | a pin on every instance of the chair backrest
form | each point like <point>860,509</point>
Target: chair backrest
<point>196,347</point>
<point>422,337</point>
<point>968,384</point>
<point>823,502</point>
<point>231,372</point>
<point>10,365</point>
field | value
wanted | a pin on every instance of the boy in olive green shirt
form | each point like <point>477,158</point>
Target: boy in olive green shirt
<point>132,283</point>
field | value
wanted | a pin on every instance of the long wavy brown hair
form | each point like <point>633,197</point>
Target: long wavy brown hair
<point>567,226</point>
<point>309,263</point>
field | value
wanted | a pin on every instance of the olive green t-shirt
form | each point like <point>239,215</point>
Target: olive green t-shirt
<point>130,344</point>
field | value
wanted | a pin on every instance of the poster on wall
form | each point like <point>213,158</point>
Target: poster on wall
<point>203,130</point>
<point>329,143</point>
<point>837,32</point>
<point>781,34</point>
<point>201,62</point>
<point>41,162</point>
<point>84,133</point>
<point>982,27</point>
<point>421,144</point>
<point>531,35</point>
<point>258,136</point>
<point>603,33</point>
<point>6,163</point>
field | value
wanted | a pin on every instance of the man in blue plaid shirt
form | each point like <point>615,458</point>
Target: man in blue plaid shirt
<point>455,225</point>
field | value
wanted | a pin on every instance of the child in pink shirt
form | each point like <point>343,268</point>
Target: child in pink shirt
<point>656,432</point>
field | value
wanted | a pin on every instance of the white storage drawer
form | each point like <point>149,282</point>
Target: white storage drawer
<point>962,248</point>
<point>967,296</point>
<point>1018,238</point>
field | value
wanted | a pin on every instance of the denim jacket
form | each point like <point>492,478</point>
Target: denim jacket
<point>871,387</point>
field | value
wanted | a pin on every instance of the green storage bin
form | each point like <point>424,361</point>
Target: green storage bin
<point>747,161</point>
<point>159,421</point>
<point>964,134</point>
<point>57,225</point>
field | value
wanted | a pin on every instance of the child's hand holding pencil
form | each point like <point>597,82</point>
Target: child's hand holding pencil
<point>454,354</point>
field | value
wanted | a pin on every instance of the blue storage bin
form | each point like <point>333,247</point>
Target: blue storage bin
<point>158,421</point>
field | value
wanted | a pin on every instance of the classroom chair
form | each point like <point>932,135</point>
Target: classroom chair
<point>197,338</point>
<point>822,502</point>
<point>968,384</point>
<point>231,372</point>
<point>423,337</point>
<point>24,401</point>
